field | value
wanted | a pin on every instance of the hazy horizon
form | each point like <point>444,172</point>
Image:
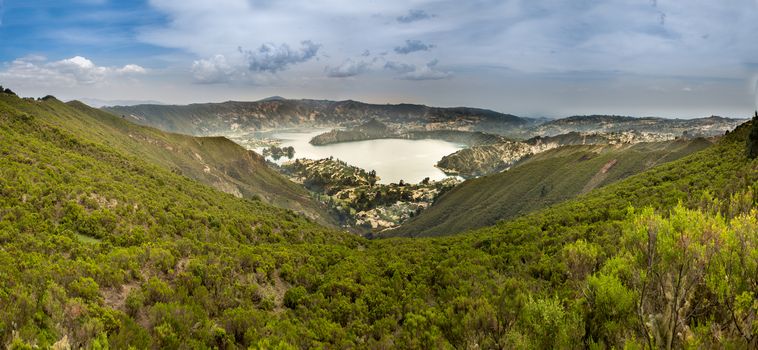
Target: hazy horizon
<point>527,58</point>
<point>96,103</point>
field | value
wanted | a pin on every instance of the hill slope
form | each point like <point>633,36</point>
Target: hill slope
<point>540,181</point>
<point>215,161</point>
<point>102,249</point>
<point>235,117</point>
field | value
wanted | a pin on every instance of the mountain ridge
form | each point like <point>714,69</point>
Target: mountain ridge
<point>706,126</point>
<point>218,118</point>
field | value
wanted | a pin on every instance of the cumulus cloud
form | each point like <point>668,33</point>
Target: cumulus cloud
<point>69,72</point>
<point>428,71</point>
<point>413,46</point>
<point>399,67</point>
<point>131,69</point>
<point>413,16</point>
<point>213,70</point>
<point>348,68</point>
<point>529,36</point>
<point>274,58</point>
<point>251,65</point>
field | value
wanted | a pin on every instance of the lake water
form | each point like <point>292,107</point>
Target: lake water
<point>393,159</point>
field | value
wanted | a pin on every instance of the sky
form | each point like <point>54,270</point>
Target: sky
<point>533,58</point>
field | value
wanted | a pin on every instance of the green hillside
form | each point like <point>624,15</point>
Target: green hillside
<point>542,180</point>
<point>103,249</point>
<point>215,161</point>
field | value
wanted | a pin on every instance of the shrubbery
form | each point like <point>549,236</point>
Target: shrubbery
<point>173,264</point>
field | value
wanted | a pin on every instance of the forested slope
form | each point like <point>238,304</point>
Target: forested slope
<point>103,249</point>
<point>215,161</point>
<point>540,181</point>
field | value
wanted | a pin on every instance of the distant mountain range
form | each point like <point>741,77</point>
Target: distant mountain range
<point>710,126</point>
<point>98,103</point>
<point>234,118</point>
<point>277,113</point>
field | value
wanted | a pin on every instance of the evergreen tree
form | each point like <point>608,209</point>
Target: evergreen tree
<point>752,140</point>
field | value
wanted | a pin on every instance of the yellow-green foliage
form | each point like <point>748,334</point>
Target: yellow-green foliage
<point>215,161</point>
<point>542,180</point>
<point>176,264</point>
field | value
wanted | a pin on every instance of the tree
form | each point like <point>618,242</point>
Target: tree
<point>671,257</point>
<point>752,139</point>
<point>580,258</point>
<point>294,296</point>
<point>734,277</point>
<point>290,152</point>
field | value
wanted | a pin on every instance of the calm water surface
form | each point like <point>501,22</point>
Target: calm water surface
<point>393,159</point>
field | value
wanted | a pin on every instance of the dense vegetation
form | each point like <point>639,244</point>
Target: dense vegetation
<point>539,181</point>
<point>100,248</point>
<point>215,161</point>
<point>279,152</point>
<point>752,141</point>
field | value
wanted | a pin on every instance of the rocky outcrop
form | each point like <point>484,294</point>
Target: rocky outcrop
<point>492,158</point>
<point>356,197</point>
<point>699,127</point>
<point>487,159</point>
<point>600,138</point>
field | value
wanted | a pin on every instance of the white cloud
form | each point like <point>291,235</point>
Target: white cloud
<point>70,72</point>
<point>428,71</point>
<point>131,69</point>
<point>413,46</point>
<point>214,70</point>
<point>273,58</point>
<point>252,66</point>
<point>347,68</point>
<point>628,36</point>
<point>413,16</point>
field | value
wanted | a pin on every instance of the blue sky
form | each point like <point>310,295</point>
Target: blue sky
<point>527,57</point>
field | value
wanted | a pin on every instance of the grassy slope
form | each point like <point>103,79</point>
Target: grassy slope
<point>171,263</point>
<point>543,180</point>
<point>215,161</point>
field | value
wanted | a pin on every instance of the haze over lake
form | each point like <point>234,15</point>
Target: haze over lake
<point>393,159</point>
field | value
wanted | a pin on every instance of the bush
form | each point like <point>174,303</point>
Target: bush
<point>86,288</point>
<point>294,296</point>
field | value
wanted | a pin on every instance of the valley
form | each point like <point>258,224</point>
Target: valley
<point>120,234</point>
<point>403,144</point>
<point>425,175</point>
